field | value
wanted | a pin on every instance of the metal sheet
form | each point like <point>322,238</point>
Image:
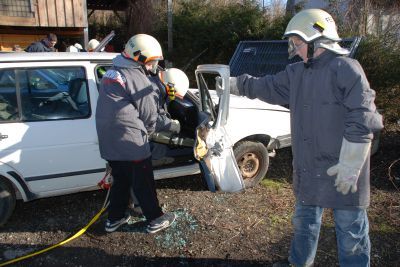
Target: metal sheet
<point>259,58</point>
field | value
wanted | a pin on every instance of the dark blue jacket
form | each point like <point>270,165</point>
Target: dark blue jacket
<point>39,47</point>
<point>126,112</point>
<point>328,101</point>
<point>164,118</point>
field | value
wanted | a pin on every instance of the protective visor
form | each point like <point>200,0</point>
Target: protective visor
<point>292,48</point>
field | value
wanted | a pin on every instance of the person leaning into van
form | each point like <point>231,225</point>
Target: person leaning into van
<point>126,115</point>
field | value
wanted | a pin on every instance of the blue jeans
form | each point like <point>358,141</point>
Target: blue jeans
<point>351,236</point>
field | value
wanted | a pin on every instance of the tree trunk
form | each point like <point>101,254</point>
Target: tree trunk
<point>140,15</point>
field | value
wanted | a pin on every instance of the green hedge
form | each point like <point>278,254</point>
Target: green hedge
<point>207,33</point>
<point>381,62</point>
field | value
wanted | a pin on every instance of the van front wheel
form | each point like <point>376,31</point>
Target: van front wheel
<point>7,200</point>
<point>253,161</point>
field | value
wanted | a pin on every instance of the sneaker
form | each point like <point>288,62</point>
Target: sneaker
<point>111,226</point>
<point>161,222</point>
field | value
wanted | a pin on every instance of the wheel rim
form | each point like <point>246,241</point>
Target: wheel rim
<point>249,164</point>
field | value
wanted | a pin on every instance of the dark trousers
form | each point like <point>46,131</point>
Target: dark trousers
<point>140,177</point>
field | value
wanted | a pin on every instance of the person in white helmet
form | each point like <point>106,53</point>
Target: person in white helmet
<point>333,117</point>
<point>176,81</point>
<point>126,115</point>
<point>165,92</point>
<point>169,84</point>
<point>93,43</point>
<point>77,47</point>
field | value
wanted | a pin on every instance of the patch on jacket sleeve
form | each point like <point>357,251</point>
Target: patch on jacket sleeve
<point>114,76</point>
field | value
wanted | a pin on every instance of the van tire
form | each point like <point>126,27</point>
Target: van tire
<point>7,200</point>
<point>253,161</point>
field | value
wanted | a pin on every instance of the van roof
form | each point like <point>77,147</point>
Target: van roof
<point>55,56</point>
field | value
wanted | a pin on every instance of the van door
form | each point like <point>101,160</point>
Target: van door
<point>48,127</point>
<point>213,147</point>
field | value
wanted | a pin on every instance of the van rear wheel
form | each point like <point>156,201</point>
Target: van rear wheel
<point>253,161</point>
<point>7,200</point>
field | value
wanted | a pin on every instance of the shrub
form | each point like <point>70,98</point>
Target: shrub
<point>207,33</point>
<point>381,63</point>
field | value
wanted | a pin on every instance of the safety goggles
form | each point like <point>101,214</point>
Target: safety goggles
<point>293,48</point>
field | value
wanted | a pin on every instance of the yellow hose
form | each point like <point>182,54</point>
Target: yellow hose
<point>79,233</point>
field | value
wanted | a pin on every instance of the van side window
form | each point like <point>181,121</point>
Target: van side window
<point>8,96</point>
<point>44,93</point>
<point>100,71</point>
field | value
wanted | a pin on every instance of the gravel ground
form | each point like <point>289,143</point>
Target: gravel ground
<point>212,229</point>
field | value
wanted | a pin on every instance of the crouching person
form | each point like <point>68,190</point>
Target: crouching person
<point>126,115</point>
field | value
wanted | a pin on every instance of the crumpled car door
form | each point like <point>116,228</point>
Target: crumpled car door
<point>213,147</point>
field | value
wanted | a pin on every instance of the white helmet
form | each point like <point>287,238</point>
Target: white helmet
<point>177,79</point>
<point>78,46</point>
<point>311,24</point>
<point>71,48</point>
<point>143,48</point>
<point>92,44</point>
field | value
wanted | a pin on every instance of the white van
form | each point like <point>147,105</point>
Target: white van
<point>48,140</point>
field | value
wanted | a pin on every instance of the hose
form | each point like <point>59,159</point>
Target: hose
<point>76,235</point>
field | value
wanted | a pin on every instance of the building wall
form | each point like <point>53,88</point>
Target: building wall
<point>66,18</point>
<point>51,13</point>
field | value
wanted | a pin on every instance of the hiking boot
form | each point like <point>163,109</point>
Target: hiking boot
<point>111,226</point>
<point>161,222</point>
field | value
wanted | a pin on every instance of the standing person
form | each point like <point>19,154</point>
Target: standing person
<point>126,115</point>
<point>45,45</point>
<point>333,116</point>
<point>163,123</point>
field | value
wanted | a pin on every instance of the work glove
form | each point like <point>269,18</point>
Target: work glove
<point>232,84</point>
<point>352,158</point>
<point>175,126</point>
<point>171,91</point>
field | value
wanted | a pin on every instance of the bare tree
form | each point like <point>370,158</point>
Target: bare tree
<point>379,17</point>
<point>139,16</point>
<point>275,9</point>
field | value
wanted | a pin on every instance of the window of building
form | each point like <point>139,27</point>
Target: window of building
<point>16,8</point>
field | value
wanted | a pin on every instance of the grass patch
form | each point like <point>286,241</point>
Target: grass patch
<point>383,227</point>
<point>280,219</point>
<point>273,184</point>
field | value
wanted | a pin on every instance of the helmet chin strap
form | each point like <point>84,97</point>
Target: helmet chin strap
<point>310,54</point>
